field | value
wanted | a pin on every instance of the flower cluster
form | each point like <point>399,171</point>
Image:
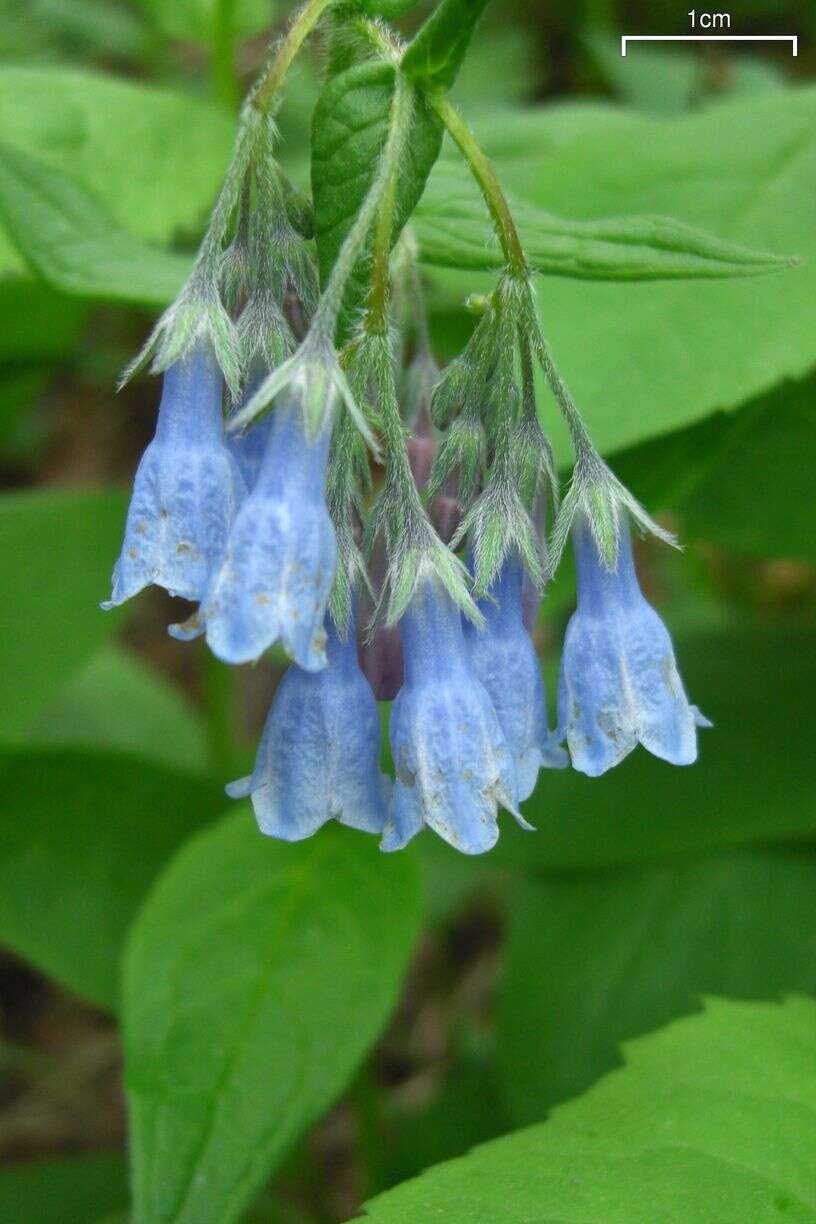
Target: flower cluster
<point>255,500</point>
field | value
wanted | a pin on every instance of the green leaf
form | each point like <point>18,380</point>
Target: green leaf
<point>646,810</point>
<point>257,975</point>
<point>598,958</point>
<point>643,360</point>
<point>713,1120</point>
<point>57,550</point>
<point>737,480</point>
<point>37,324</point>
<point>454,231</point>
<point>89,27</point>
<point>72,243</point>
<point>71,1190</point>
<point>668,81</point>
<point>435,54</point>
<point>349,130</point>
<point>500,69</point>
<point>195,19</point>
<point>116,701</point>
<point>82,836</point>
<point>152,158</point>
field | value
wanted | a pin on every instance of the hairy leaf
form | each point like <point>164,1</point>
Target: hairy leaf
<point>434,56</point>
<point>82,836</point>
<point>712,1119</point>
<point>257,976</point>
<point>454,231</point>
<point>73,244</point>
<point>349,130</point>
<point>598,958</point>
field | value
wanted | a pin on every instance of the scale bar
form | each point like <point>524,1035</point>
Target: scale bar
<point>793,39</point>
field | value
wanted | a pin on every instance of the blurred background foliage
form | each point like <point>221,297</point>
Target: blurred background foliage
<point>641,892</point>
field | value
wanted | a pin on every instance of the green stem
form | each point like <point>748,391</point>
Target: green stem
<point>527,376</point>
<point>581,441</point>
<point>398,467</point>
<point>484,174</point>
<point>224,76</point>
<point>251,127</point>
<point>302,25</point>
<point>327,313</point>
<point>423,337</point>
<point>379,294</point>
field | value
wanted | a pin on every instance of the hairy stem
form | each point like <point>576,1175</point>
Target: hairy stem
<point>304,21</point>
<point>581,441</point>
<point>383,185</point>
<point>484,174</point>
<point>379,294</point>
<point>399,472</point>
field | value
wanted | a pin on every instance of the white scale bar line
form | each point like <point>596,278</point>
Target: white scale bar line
<point>793,39</point>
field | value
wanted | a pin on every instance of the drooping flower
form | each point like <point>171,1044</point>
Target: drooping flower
<point>619,681</point>
<point>453,767</point>
<point>186,491</point>
<point>319,753</point>
<point>504,659</point>
<point>276,575</point>
<point>249,449</point>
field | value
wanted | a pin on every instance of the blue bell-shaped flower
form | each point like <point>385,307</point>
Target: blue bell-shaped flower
<point>503,657</point>
<point>186,491</point>
<point>319,753</point>
<point>249,449</point>
<point>276,575</point>
<point>619,683</point>
<point>453,767</point>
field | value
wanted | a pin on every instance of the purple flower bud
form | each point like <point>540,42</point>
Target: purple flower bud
<point>446,515</point>
<point>421,451</point>
<point>380,653</point>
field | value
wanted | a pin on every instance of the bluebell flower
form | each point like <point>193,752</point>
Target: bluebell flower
<point>503,657</point>
<point>249,449</point>
<point>319,754</point>
<point>453,767</point>
<point>619,682</point>
<point>186,491</point>
<point>276,575</point>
